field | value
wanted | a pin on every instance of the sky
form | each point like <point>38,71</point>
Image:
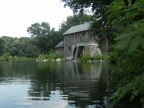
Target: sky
<point>17,15</point>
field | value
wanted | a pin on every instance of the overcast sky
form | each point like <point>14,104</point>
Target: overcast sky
<point>17,15</point>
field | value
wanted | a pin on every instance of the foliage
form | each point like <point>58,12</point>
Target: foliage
<point>8,57</point>
<point>135,88</point>
<point>74,20</point>
<point>87,56</point>
<point>84,5</point>
<point>127,76</point>
<point>51,55</point>
<point>43,36</point>
<point>104,57</point>
<point>23,59</point>
<point>5,57</point>
<point>128,19</point>
<point>19,46</point>
<point>126,16</point>
<point>1,46</point>
<point>43,56</point>
<point>37,29</point>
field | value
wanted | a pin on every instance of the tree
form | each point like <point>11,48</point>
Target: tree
<point>84,5</point>
<point>1,46</point>
<point>19,46</point>
<point>43,36</point>
<point>26,48</point>
<point>8,44</point>
<point>127,17</point>
<point>37,29</point>
<point>74,20</point>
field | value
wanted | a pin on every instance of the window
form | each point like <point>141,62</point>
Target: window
<point>83,34</point>
<point>69,48</point>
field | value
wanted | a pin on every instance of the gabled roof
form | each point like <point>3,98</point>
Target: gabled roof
<point>60,45</point>
<point>78,28</point>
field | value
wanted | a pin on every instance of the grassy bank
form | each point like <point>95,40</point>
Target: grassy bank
<point>86,57</point>
<point>8,57</point>
<point>49,56</point>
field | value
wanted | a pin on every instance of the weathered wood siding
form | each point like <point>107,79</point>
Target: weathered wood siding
<point>60,51</point>
<point>74,39</point>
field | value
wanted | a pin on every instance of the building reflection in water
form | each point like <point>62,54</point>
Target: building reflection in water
<point>84,83</point>
<point>80,84</point>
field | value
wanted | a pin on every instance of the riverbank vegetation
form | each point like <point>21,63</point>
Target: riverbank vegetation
<point>8,57</point>
<point>51,55</point>
<point>129,72</point>
<point>87,57</point>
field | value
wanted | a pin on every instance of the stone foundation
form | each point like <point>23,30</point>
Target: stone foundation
<point>91,47</point>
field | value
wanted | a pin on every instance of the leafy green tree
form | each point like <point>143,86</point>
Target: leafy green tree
<point>127,18</point>
<point>43,36</point>
<point>37,29</point>
<point>26,48</point>
<point>19,46</point>
<point>83,5</point>
<point>74,20</point>
<point>8,44</point>
<point>127,78</point>
<point>1,46</point>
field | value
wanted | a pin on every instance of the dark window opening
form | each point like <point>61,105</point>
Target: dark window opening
<point>83,34</point>
<point>69,48</point>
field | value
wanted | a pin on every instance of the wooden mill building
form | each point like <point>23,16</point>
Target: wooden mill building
<point>79,39</point>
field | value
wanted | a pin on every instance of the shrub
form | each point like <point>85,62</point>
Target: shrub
<point>87,56</point>
<point>51,55</point>
<point>127,77</point>
<point>6,57</point>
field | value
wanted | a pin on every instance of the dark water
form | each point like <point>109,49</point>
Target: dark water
<point>52,84</point>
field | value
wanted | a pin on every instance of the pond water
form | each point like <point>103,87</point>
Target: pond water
<point>53,84</point>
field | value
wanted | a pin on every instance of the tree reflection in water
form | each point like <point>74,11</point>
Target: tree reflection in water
<point>80,84</point>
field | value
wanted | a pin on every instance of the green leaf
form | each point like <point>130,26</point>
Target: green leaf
<point>143,43</point>
<point>132,97</point>
<point>135,92</point>
<point>134,43</point>
<point>142,99</point>
<point>123,43</point>
<point>124,36</point>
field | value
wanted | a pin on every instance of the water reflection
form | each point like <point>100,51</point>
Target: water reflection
<point>53,84</point>
<point>43,82</point>
<point>85,83</point>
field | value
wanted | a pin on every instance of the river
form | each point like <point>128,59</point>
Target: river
<point>65,84</point>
